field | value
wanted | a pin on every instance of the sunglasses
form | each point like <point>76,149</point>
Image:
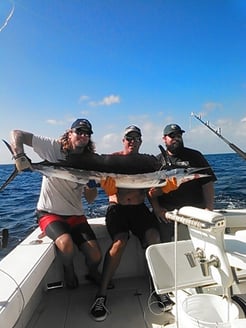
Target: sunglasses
<point>81,132</point>
<point>174,135</point>
<point>135,139</point>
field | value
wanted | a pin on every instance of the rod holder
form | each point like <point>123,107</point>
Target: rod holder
<point>191,259</point>
<point>192,256</point>
<point>206,264</point>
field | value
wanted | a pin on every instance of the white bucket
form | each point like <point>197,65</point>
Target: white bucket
<point>207,311</point>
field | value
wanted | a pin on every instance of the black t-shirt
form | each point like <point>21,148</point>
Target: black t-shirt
<point>189,193</point>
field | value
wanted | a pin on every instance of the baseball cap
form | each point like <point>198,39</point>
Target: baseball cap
<point>132,128</point>
<point>170,128</point>
<point>82,123</point>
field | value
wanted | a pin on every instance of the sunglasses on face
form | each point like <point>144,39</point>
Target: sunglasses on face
<point>81,132</point>
<point>135,139</point>
<point>174,135</point>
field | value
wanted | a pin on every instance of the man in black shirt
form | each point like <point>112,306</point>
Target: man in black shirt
<point>198,192</point>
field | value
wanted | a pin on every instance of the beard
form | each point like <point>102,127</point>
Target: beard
<point>176,147</point>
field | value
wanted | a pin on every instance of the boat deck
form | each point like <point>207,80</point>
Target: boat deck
<point>127,303</point>
<point>130,303</point>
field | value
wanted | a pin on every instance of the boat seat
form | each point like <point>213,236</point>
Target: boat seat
<point>207,233</point>
<point>235,218</point>
<point>161,263</point>
<point>20,273</point>
<point>235,247</point>
<point>210,236</point>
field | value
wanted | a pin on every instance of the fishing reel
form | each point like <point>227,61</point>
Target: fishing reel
<point>4,237</point>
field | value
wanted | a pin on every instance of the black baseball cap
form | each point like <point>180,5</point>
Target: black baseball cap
<point>170,128</point>
<point>82,123</point>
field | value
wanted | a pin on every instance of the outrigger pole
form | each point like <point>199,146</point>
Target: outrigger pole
<point>218,133</point>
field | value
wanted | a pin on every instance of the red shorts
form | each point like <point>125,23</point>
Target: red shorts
<point>72,220</point>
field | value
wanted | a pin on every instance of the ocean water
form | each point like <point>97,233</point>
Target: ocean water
<point>18,200</point>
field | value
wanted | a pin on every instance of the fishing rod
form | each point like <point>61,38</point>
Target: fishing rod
<point>218,133</point>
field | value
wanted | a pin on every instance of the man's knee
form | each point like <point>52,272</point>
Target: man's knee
<point>65,243</point>
<point>118,246</point>
<point>152,236</point>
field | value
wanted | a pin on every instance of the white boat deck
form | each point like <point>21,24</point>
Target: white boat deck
<point>127,302</point>
<point>33,265</point>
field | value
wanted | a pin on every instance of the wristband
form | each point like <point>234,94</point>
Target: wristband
<point>19,155</point>
<point>92,184</point>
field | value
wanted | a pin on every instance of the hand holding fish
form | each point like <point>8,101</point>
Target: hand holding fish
<point>109,186</point>
<point>171,184</point>
<point>22,162</point>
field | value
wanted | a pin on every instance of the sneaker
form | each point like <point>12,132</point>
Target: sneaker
<point>164,302</point>
<point>98,310</point>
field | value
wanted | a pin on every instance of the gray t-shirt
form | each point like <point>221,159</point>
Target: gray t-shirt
<point>57,195</point>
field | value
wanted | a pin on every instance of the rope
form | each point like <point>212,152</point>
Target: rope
<point>21,293</point>
<point>189,221</point>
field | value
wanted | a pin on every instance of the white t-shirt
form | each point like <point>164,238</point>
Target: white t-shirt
<point>57,195</point>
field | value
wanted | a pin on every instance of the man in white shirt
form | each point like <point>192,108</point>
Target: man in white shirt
<point>59,210</point>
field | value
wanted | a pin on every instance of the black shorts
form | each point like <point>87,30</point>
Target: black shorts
<point>125,218</point>
<point>56,225</point>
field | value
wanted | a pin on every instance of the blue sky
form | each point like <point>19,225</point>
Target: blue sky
<point>122,62</point>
